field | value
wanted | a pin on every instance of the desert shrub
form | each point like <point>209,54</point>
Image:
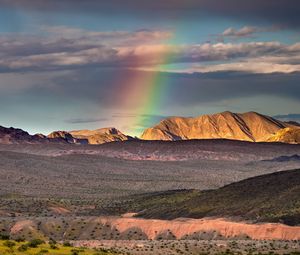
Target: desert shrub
<point>23,247</point>
<point>9,244</point>
<point>4,237</point>
<point>20,239</point>
<point>52,241</point>
<point>53,246</point>
<point>67,244</point>
<point>74,252</point>
<point>35,243</point>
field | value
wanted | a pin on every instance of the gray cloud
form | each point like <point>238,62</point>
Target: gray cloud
<point>279,11</point>
<point>51,53</point>
<point>113,38</point>
<point>105,86</point>
<point>289,117</point>
<point>243,32</point>
<point>246,32</point>
<point>192,89</point>
<point>85,120</point>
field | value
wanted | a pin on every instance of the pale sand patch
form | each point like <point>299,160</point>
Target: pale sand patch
<point>59,210</point>
<point>129,215</point>
<point>20,225</point>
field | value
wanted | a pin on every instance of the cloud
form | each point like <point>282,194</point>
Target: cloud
<point>85,120</point>
<point>68,48</point>
<point>106,87</point>
<point>105,49</point>
<point>279,11</point>
<point>246,32</point>
<point>288,117</point>
<point>260,57</point>
<point>243,32</point>
<point>256,65</point>
<point>115,38</point>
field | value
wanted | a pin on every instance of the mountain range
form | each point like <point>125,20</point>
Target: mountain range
<point>249,126</point>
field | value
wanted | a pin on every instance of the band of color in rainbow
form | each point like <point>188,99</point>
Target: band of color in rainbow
<point>145,90</point>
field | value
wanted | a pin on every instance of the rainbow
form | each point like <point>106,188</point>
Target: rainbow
<point>145,90</point>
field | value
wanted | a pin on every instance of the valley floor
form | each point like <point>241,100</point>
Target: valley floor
<point>194,247</point>
<point>68,194</point>
<point>155,247</point>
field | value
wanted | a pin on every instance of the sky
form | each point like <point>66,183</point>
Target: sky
<point>73,64</point>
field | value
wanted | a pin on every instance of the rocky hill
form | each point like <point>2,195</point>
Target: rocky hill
<point>67,137</point>
<point>250,126</point>
<point>16,136</point>
<point>100,136</point>
<point>104,135</point>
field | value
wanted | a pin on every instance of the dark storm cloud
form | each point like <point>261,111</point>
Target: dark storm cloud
<point>214,87</point>
<point>105,87</point>
<point>278,11</point>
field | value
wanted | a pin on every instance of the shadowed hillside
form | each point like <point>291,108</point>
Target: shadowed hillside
<point>272,197</point>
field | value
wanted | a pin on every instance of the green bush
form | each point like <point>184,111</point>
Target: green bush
<point>4,237</point>
<point>75,252</point>
<point>53,246</point>
<point>67,244</point>
<point>9,244</point>
<point>35,243</point>
<point>20,239</point>
<point>23,247</point>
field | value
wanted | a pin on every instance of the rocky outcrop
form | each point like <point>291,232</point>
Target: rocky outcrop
<point>286,135</point>
<point>66,137</point>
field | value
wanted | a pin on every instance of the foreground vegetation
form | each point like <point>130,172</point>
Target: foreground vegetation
<point>39,247</point>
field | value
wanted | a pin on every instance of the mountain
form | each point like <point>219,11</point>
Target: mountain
<point>272,197</point>
<point>100,136</point>
<point>18,136</point>
<point>15,136</point>
<point>67,137</point>
<point>294,157</point>
<point>250,126</point>
<point>293,123</point>
<point>286,135</point>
